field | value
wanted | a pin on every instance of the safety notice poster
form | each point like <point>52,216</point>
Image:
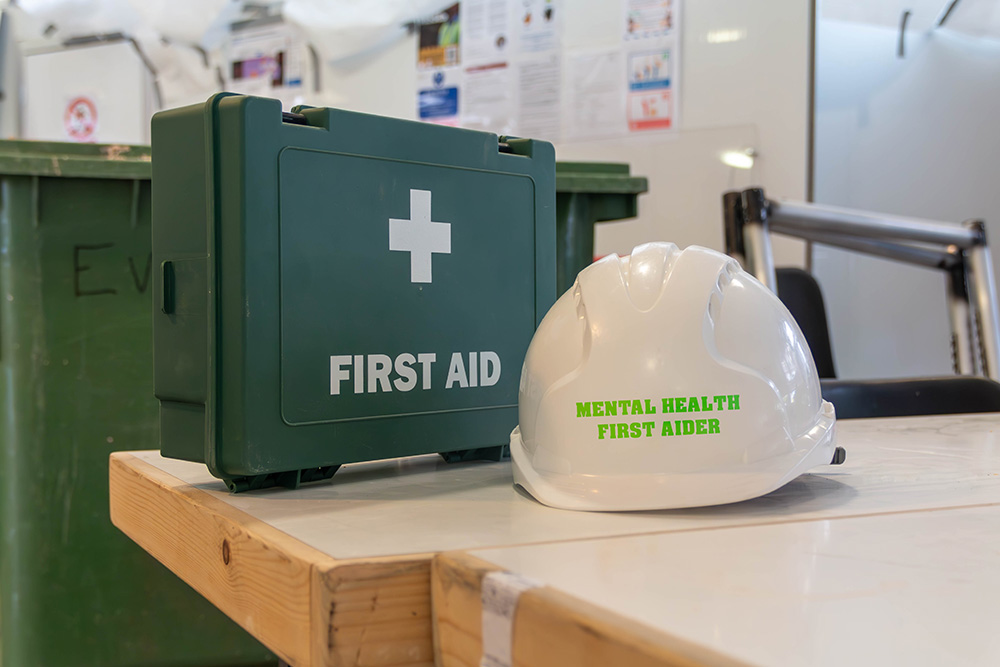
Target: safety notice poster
<point>595,105</point>
<point>439,39</point>
<point>488,99</point>
<point>486,32</point>
<point>539,86</point>
<point>651,40</point>
<point>650,102</point>
<point>538,24</point>
<point>492,65</point>
<point>539,98</point>
<point>438,91</point>
<point>439,73</point>
<point>650,19</point>
<point>500,66</point>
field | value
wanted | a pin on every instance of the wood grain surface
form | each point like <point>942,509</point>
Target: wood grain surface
<point>310,609</point>
<point>550,628</point>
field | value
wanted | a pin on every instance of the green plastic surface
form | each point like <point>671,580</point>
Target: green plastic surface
<point>75,349</point>
<point>275,277</point>
<point>588,193</point>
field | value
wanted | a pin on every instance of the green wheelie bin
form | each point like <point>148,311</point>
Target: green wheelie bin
<point>76,354</point>
<point>588,193</point>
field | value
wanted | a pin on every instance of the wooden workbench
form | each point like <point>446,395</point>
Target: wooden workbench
<point>339,573</point>
<point>915,588</point>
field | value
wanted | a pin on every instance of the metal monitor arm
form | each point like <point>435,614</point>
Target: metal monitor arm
<point>960,251</point>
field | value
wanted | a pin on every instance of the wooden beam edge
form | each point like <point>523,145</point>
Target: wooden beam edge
<point>551,628</point>
<point>375,613</point>
<point>554,628</point>
<point>128,463</point>
<point>456,594</point>
<point>257,575</point>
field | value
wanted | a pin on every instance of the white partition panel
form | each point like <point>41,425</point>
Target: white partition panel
<point>912,136</point>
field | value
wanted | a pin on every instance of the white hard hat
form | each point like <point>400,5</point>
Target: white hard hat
<point>667,379</point>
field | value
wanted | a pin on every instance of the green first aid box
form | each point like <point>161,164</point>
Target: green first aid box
<point>333,287</point>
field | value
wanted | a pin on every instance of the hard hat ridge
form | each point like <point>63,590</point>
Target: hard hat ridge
<point>646,272</point>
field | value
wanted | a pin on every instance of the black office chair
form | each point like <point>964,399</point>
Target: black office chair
<point>800,293</point>
<point>857,399</point>
<point>910,397</point>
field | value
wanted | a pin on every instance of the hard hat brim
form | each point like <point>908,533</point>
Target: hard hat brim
<point>662,491</point>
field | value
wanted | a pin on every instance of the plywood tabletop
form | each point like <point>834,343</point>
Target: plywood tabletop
<point>338,572</point>
<point>914,588</point>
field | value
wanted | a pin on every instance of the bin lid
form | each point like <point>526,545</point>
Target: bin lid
<point>69,160</point>
<point>598,177</point>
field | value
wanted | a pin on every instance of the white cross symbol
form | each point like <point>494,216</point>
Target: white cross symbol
<point>420,237</point>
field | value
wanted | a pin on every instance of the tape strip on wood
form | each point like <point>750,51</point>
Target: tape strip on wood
<point>500,593</point>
